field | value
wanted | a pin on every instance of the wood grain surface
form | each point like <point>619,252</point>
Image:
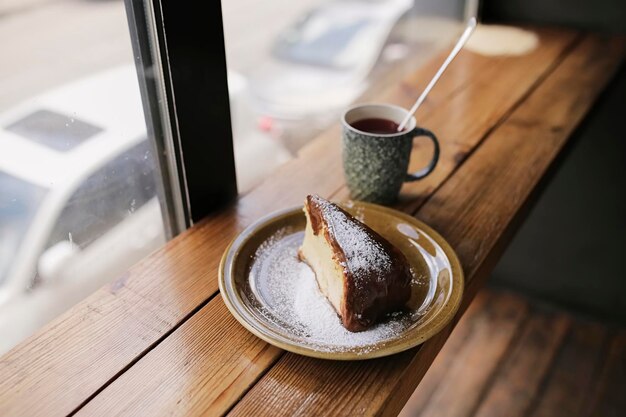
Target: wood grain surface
<point>202,372</point>
<point>478,358</point>
<point>574,373</point>
<point>159,339</point>
<point>608,399</point>
<point>524,368</point>
<point>557,364</point>
<point>475,317</point>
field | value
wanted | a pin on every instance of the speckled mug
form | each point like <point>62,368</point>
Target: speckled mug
<point>375,165</point>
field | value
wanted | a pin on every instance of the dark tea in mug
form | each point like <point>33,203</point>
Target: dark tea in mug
<point>376,125</point>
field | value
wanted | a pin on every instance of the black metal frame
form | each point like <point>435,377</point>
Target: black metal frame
<point>181,65</point>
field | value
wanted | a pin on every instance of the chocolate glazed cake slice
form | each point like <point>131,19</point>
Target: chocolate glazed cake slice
<point>363,275</point>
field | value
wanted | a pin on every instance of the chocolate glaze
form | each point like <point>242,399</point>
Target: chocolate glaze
<point>376,295</point>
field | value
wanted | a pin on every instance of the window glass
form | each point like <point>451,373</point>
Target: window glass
<point>18,202</point>
<point>291,79</point>
<point>127,183</point>
<point>78,174</point>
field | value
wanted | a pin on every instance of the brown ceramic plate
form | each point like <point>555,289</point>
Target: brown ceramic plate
<point>248,282</point>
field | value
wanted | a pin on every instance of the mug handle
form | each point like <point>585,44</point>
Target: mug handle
<point>417,132</point>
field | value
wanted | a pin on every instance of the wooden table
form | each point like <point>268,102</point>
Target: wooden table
<point>159,340</point>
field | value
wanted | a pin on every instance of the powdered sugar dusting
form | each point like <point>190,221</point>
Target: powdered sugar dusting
<point>364,255</point>
<point>289,297</point>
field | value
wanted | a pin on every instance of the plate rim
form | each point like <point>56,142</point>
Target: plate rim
<point>452,305</point>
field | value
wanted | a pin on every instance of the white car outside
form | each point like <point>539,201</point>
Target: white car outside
<point>78,201</point>
<point>51,146</point>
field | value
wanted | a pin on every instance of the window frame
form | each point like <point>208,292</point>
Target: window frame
<point>181,65</point>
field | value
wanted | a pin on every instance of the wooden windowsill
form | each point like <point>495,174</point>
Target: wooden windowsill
<point>159,340</point>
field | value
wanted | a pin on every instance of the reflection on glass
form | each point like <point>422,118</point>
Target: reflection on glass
<point>313,59</point>
<point>78,176</point>
<point>54,130</point>
<point>18,203</point>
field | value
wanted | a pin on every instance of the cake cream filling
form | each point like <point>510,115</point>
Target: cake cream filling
<point>316,252</point>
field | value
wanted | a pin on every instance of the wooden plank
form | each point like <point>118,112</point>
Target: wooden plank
<point>519,387</point>
<point>213,366</point>
<point>473,371</point>
<point>477,210</point>
<point>478,358</point>
<point>609,400</point>
<point>473,317</point>
<point>552,48</point>
<point>139,310</point>
<point>180,385</point>
<point>516,383</point>
<point>574,373</point>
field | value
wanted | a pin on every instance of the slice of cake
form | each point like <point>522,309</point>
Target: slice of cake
<point>363,275</point>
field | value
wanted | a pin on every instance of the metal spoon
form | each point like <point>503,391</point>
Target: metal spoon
<point>471,25</point>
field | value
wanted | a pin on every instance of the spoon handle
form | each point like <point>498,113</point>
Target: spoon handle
<point>471,25</point>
